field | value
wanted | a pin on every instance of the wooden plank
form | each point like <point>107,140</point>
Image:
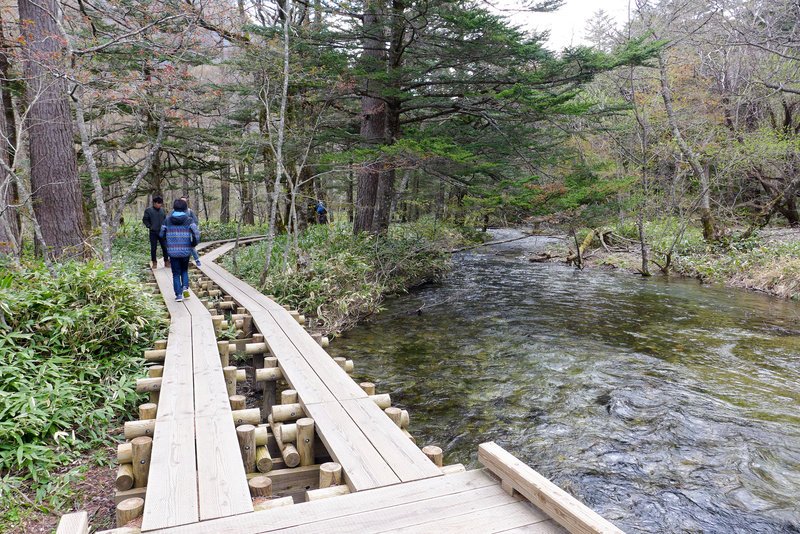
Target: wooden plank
<point>362,464</point>
<point>74,523</point>
<point>337,380</point>
<point>296,370</point>
<point>226,245</point>
<point>221,482</point>
<point>294,339</point>
<point>405,517</point>
<point>172,486</point>
<point>176,398</point>
<point>171,495</point>
<point>488,519</point>
<point>405,459</point>
<point>575,516</point>
<point>545,527</point>
<point>373,500</point>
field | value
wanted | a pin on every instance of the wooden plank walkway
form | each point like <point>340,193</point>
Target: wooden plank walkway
<point>372,450</point>
<point>464,502</point>
<point>198,485</point>
<point>196,471</point>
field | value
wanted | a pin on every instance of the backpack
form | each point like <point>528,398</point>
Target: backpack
<point>192,237</point>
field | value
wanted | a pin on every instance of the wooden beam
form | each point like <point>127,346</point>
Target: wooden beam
<point>569,512</point>
<point>75,523</point>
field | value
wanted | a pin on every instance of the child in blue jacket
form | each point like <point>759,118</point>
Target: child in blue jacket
<point>182,234</point>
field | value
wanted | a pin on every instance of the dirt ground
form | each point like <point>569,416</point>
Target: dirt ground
<point>94,494</point>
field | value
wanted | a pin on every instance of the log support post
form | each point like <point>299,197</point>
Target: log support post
<point>141,448</point>
<point>128,510</point>
<point>246,434</point>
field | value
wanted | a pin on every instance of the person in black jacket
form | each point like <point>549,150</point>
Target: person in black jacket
<point>153,219</point>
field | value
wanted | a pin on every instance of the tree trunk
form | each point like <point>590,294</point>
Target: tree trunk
<point>54,167</point>
<point>440,201</point>
<point>373,116</point>
<point>645,270</point>
<point>305,202</point>
<point>383,202</point>
<point>350,197</point>
<point>11,225</point>
<point>248,216</point>
<point>415,200</point>
<point>225,193</point>
<point>383,208</point>
<point>401,191</point>
<point>709,230</point>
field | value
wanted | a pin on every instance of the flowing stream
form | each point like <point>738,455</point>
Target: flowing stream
<point>665,405</point>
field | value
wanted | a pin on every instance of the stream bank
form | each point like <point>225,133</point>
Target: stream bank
<point>768,262</point>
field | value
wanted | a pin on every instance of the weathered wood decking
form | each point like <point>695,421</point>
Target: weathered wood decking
<point>372,450</point>
<point>197,482</point>
<point>195,475</point>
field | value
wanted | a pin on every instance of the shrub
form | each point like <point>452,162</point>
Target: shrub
<point>340,277</point>
<point>70,347</point>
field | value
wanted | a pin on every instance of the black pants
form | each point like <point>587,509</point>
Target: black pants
<point>154,241</point>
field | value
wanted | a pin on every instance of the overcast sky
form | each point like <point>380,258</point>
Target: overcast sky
<point>567,25</point>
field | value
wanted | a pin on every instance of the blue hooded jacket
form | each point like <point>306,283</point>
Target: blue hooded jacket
<point>178,229</point>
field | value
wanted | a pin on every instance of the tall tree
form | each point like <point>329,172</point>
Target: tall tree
<point>10,224</point>
<point>373,113</point>
<point>55,186</point>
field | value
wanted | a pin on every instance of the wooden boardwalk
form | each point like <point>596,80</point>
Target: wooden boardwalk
<point>197,482</point>
<point>195,476</point>
<point>372,450</point>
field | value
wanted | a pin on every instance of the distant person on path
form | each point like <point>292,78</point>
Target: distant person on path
<point>193,216</point>
<point>153,219</point>
<point>182,235</point>
<point>322,213</point>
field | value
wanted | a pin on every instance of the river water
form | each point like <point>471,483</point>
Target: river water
<point>665,405</point>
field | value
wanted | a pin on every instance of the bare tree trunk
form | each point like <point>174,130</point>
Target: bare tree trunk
<point>308,188</point>
<point>350,199</point>
<point>373,116</point>
<point>225,194</point>
<point>401,190</point>
<point>440,201</point>
<point>383,207</point>
<point>709,230</point>
<point>414,212</point>
<point>54,167</point>
<point>279,169</point>
<point>11,228</point>
<point>248,215</point>
<point>100,202</point>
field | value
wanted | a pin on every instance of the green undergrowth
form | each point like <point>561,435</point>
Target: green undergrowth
<point>70,349</point>
<point>340,278</point>
<point>757,263</point>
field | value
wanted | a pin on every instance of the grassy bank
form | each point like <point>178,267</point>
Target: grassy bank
<point>340,278</point>
<point>70,349</point>
<point>768,261</point>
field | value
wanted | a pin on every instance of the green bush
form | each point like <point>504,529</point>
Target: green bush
<point>70,348</point>
<point>340,277</point>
